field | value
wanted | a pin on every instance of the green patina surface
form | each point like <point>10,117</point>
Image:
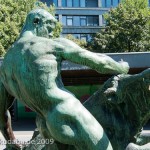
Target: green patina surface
<point>30,72</point>
<point>81,92</point>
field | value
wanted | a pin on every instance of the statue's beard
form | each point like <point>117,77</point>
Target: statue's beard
<point>44,32</point>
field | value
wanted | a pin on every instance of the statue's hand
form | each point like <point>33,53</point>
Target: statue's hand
<point>124,66</point>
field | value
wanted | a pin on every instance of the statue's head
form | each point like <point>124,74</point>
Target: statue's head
<point>39,22</point>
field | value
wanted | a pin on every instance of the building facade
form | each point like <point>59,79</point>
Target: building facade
<point>81,18</point>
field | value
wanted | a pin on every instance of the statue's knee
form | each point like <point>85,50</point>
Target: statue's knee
<point>62,132</point>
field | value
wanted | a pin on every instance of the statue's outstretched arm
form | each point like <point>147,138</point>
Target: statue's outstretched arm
<point>99,62</point>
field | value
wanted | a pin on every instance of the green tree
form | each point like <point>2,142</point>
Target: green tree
<point>127,28</point>
<point>12,18</point>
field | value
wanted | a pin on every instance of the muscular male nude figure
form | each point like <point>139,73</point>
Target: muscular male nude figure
<point>30,73</point>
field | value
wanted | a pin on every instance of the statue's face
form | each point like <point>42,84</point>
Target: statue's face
<point>41,23</point>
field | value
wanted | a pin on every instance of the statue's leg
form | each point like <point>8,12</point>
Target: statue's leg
<point>6,100</point>
<point>55,145</point>
<point>70,123</point>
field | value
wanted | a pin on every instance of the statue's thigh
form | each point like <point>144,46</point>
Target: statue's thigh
<point>62,127</point>
<point>41,124</point>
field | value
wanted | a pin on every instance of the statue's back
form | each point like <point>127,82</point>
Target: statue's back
<point>28,62</point>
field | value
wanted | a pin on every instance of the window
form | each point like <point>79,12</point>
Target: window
<point>64,3</point>
<point>95,21</point>
<point>89,21</point>
<point>76,3</point>
<point>110,3</point>
<point>76,21</point>
<point>103,3</point>
<point>91,3</point>
<point>79,3</point>
<point>69,20</point>
<point>82,3</point>
<point>83,20</point>
<point>69,3</point>
<point>64,20</point>
<point>92,21</point>
<point>80,20</point>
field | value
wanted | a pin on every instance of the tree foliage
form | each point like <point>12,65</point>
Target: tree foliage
<point>12,18</point>
<point>127,28</point>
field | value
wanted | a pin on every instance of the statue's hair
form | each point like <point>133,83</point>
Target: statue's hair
<point>40,12</point>
<point>37,11</point>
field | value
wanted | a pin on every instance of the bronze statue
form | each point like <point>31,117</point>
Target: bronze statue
<point>30,73</point>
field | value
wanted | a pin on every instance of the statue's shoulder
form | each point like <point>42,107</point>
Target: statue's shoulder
<point>26,42</point>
